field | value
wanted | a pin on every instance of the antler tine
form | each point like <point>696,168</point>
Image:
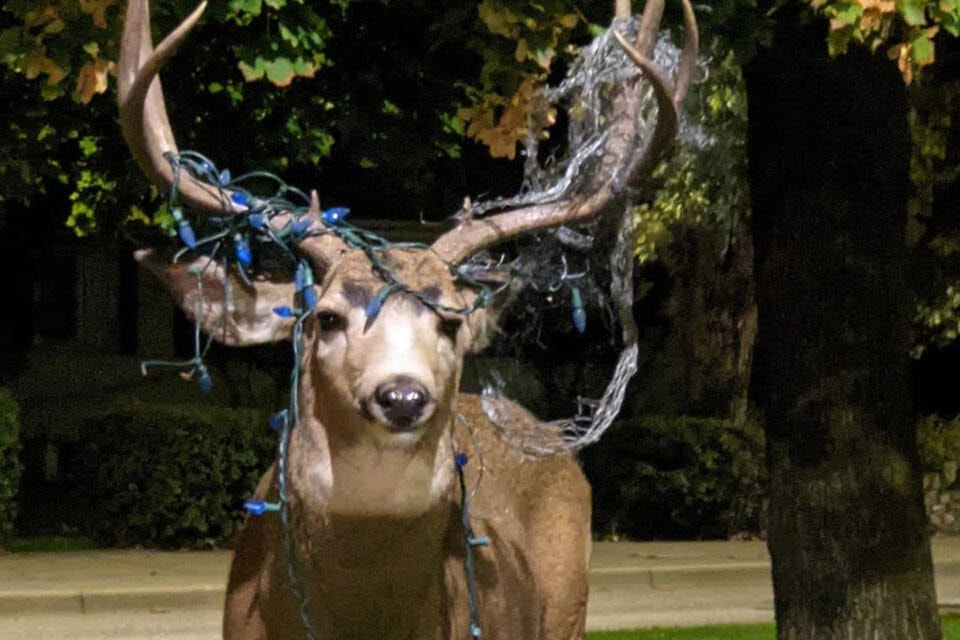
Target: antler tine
<point>649,26</point>
<point>322,248</point>
<point>143,116</point>
<point>688,55</point>
<point>669,96</point>
<point>473,235</point>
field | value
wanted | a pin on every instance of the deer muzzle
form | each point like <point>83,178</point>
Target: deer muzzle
<point>402,403</point>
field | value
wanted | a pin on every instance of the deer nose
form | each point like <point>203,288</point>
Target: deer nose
<point>402,401</point>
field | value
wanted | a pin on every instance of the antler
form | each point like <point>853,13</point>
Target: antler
<point>146,126</point>
<point>472,235</point>
<point>143,115</point>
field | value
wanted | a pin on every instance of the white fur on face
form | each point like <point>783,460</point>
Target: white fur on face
<point>403,341</point>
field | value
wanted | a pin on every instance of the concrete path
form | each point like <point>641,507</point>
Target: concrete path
<point>146,594</point>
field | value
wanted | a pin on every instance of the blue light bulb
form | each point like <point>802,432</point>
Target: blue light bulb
<point>284,312</point>
<point>242,250</point>
<point>260,507</point>
<point>303,278</point>
<point>372,308</point>
<point>278,420</point>
<point>309,298</point>
<point>204,379</point>
<point>224,177</point>
<point>461,459</point>
<point>580,320</point>
<point>185,231</point>
<point>579,314</point>
<point>301,225</point>
<point>333,215</point>
<point>257,220</point>
<point>239,198</point>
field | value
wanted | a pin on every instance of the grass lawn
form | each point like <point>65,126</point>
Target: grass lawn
<point>720,632</point>
<point>951,631</point>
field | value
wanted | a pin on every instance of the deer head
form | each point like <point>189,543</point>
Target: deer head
<point>387,383</point>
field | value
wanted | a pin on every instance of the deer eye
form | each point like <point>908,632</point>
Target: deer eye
<point>330,321</point>
<point>450,327</point>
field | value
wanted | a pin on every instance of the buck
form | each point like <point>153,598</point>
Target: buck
<point>374,513</point>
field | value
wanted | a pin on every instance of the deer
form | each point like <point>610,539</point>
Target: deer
<point>375,521</point>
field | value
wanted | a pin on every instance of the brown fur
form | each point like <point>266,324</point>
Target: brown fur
<point>531,578</point>
<point>375,513</point>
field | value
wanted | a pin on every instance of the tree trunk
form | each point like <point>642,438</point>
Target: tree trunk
<point>829,156</point>
<point>702,339</point>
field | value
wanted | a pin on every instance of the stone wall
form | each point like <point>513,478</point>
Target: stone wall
<point>941,497</point>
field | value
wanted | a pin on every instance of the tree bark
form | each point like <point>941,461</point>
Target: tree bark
<point>829,155</point>
<point>701,342</point>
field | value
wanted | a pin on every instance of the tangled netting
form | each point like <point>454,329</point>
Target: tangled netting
<point>594,81</point>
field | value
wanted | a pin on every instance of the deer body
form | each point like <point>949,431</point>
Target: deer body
<point>373,498</point>
<point>403,577</point>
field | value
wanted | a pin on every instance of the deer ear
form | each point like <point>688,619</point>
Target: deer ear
<point>228,309</point>
<point>483,323</point>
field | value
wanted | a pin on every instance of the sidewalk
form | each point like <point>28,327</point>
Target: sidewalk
<point>632,584</point>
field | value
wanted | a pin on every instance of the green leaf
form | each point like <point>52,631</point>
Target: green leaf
<point>249,7</point>
<point>254,72</point>
<point>596,30</point>
<point>45,131</point>
<point>912,12</point>
<point>88,146</point>
<point>922,50</point>
<point>390,109</point>
<point>303,67</point>
<point>947,14</point>
<point>848,14</point>
<point>839,39</point>
<point>280,71</point>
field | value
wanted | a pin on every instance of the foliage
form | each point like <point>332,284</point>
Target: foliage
<point>931,168</point>
<point>168,475</point>
<point>938,320</point>
<point>933,233</point>
<point>524,40</point>
<point>910,25</point>
<point>938,441</point>
<point>9,463</point>
<point>677,477</point>
<point>528,44</point>
<point>295,78</point>
<point>706,176</point>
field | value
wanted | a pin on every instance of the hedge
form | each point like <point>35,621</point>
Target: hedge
<point>938,441</point>
<point>167,475</point>
<point>658,477</point>
<point>9,464</point>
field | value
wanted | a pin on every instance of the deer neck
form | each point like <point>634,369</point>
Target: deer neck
<point>371,523</point>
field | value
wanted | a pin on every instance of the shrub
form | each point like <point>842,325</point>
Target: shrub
<point>9,464</point>
<point>938,441</point>
<point>677,477</point>
<point>167,476</point>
